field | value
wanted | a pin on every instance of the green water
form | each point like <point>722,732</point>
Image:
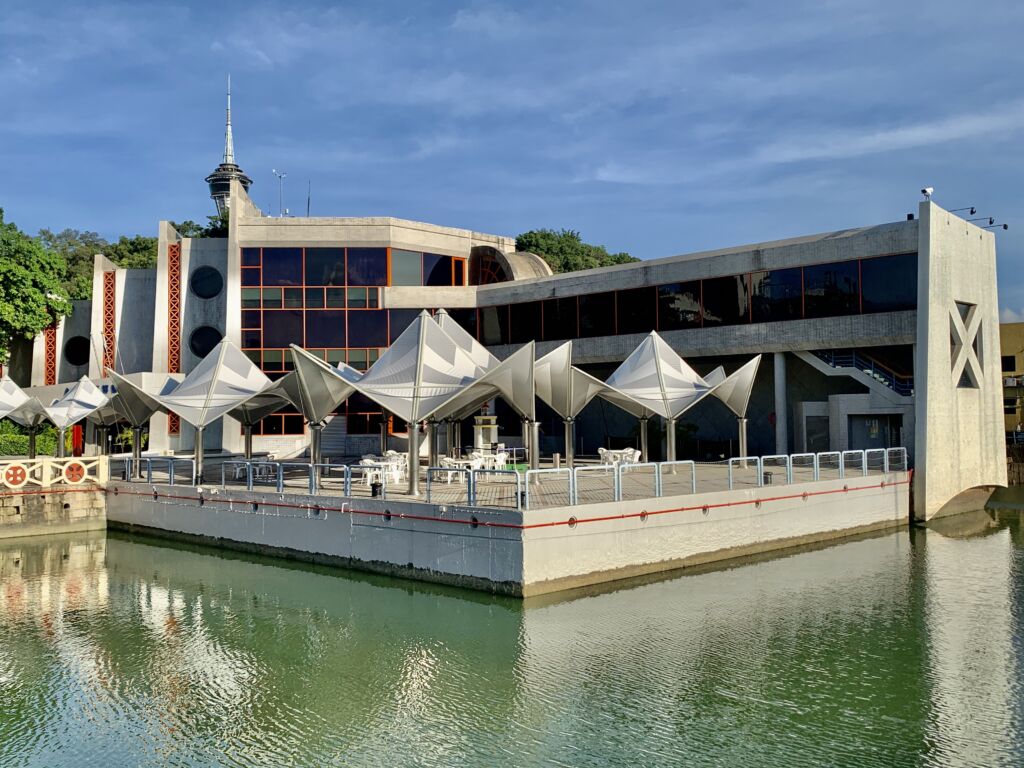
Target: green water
<point>903,649</point>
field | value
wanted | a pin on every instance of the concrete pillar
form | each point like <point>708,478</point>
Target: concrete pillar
<point>199,455</point>
<point>32,443</point>
<point>247,441</point>
<point>742,423</point>
<point>315,441</point>
<point>670,439</point>
<point>431,435</point>
<point>534,445</point>
<point>457,438</point>
<point>61,433</point>
<point>781,415</point>
<point>526,439</point>
<point>137,450</point>
<point>384,434</point>
<point>643,438</point>
<point>414,458</point>
<point>570,449</point>
<point>101,433</point>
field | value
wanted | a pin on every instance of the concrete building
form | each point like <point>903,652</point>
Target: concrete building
<point>879,336</point>
<point>1011,351</point>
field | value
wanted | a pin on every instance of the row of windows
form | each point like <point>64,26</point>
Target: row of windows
<point>310,298</point>
<point>349,266</point>
<point>292,424</point>
<point>280,360</point>
<point>337,328</point>
<point>865,286</point>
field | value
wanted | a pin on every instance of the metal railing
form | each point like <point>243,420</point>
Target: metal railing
<point>901,385</point>
<point>854,463</point>
<point>774,466</point>
<point>534,480</point>
<point>148,470</point>
<point>740,468</point>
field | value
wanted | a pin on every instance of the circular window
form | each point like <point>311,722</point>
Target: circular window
<point>203,340</point>
<point>76,350</point>
<point>206,282</point>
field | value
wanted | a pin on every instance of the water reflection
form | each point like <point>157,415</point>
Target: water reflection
<point>896,650</point>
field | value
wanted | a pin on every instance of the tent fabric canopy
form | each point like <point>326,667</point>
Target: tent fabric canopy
<point>80,400</point>
<point>137,395</point>
<point>12,398</point>
<point>269,401</point>
<point>315,387</point>
<point>735,389</point>
<point>656,378</point>
<point>511,379</point>
<point>565,388</point>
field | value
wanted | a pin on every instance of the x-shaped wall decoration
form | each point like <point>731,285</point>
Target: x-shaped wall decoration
<point>964,327</point>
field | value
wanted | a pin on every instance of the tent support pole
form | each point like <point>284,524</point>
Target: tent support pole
<point>527,452</point>
<point>103,431</point>
<point>137,450</point>
<point>457,440</point>
<point>32,443</point>
<point>431,436</point>
<point>743,437</point>
<point>414,458</point>
<point>643,439</point>
<point>61,433</point>
<point>383,434</point>
<point>315,435</point>
<point>534,445</point>
<point>447,437</point>
<point>670,439</point>
<point>570,448</point>
<point>199,456</point>
<point>247,441</point>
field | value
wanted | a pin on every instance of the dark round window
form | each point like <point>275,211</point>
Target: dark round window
<point>206,282</point>
<point>203,340</point>
<point>76,350</point>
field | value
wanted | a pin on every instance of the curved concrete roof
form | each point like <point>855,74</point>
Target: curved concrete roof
<point>521,265</point>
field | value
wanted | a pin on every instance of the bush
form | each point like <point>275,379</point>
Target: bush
<point>17,445</point>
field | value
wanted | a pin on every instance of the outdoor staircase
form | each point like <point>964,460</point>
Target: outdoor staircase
<point>863,368</point>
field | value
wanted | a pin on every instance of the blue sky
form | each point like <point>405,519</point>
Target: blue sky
<point>656,128</point>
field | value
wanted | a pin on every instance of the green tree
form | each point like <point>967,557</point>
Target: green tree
<point>32,292</point>
<point>565,251</point>
<point>77,248</point>
<point>216,226</point>
<point>136,252</point>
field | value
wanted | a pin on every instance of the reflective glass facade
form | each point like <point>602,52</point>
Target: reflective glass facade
<point>328,301</point>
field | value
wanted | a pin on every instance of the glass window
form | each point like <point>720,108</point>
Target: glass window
<point>889,283</point>
<point>525,322</point>
<point>325,328</point>
<point>250,257</point>
<point>335,356</point>
<point>1009,363</point>
<point>637,310</point>
<point>206,282</point>
<point>271,298</point>
<point>679,306</point>
<point>293,424</point>
<point>357,298</point>
<point>252,339</point>
<point>250,318</point>
<point>726,300</point>
<point>777,295</point>
<point>400,319</point>
<point>293,297</point>
<point>367,266</point>
<point>335,297</point>
<point>560,319</point>
<point>466,318</point>
<point>282,266</point>
<point>368,328</point>
<point>250,277</point>
<point>494,325</point>
<point>831,290</point>
<point>254,355</point>
<point>372,298</point>
<point>459,272</point>
<point>437,270</point>
<point>406,267</point>
<point>597,314</point>
<point>325,266</point>
<point>282,328</point>
<point>250,298</point>
<point>314,298</point>
<point>357,359</point>
<point>273,359</point>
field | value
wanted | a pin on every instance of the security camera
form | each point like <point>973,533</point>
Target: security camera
<point>927,192</point>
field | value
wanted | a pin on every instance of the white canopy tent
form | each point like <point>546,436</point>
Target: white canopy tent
<point>734,390</point>
<point>253,410</point>
<point>317,389</point>
<point>22,408</point>
<point>136,401</point>
<point>80,400</point>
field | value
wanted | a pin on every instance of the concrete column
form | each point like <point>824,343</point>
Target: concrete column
<point>670,439</point>
<point>199,455</point>
<point>457,438</point>
<point>431,435</point>
<point>101,432</point>
<point>525,423</point>
<point>643,438</point>
<point>32,443</point>
<point>781,415</point>
<point>247,441</point>
<point>137,450</point>
<point>384,435</point>
<point>414,458</point>
<point>534,445</point>
<point>61,433</point>
<point>742,423</point>
<point>315,440</point>
<point>570,449</point>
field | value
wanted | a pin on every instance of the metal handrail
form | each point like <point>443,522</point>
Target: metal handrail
<point>746,460</point>
<point>532,473</point>
<point>431,471</point>
<point>474,485</point>
<point>787,462</point>
<point>855,454</point>
<point>620,468</point>
<point>814,463</point>
<point>605,468</point>
<point>839,463</point>
<point>680,463</point>
<point>900,384</point>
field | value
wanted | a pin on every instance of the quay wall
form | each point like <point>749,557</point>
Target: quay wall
<point>511,552</point>
<point>36,512</point>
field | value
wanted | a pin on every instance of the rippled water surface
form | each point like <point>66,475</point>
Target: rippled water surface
<point>903,649</point>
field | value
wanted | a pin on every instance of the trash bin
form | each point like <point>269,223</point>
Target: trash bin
<point>375,487</point>
<point>766,478</point>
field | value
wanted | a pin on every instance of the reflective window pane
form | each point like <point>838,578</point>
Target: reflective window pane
<point>597,314</point>
<point>679,306</point>
<point>560,319</point>
<point>314,298</point>
<point>293,297</point>
<point>726,300</point>
<point>335,356</point>
<point>325,266</point>
<point>250,318</point>
<point>251,340</point>
<point>335,297</point>
<point>525,322</point>
<point>400,319</point>
<point>356,298</point>
<point>250,257</point>
<point>250,277</point>
<point>273,359</point>
<point>367,266</point>
<point>637,310</point>
<point>831,290</point>
<point>437,270</point>
<point>777,295</point>
<point>282,328</point>
<point>466,318</point>
<point>250,298</point>
<point>406,267</point>
<point>325,328</point>
<point>372,298</point>
<point>271,298</point>
<point>368,328</point>
<point>494,325</point>
<point>889,283</point>
<point>282,266</point>
<point>293,424</point>
<point>459,277</point>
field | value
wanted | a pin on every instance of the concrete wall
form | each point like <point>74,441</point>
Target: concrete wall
<point>960,439</point>
<point>35,513</point>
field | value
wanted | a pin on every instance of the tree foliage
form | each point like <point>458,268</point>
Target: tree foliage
<point>32,290</point>
<point>77,249</point>
<point>216,226</point>
<point>136,252</point>
<point>565,251</point>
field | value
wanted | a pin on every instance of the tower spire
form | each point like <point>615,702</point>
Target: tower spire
<point>229,141</point>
